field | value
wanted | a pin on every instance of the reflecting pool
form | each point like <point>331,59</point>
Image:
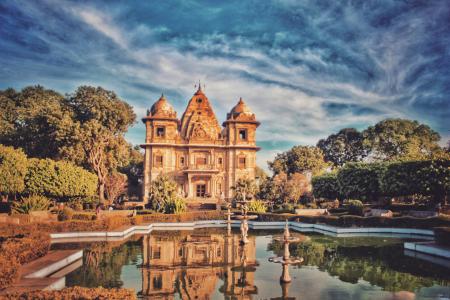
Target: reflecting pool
<point>211,264</point>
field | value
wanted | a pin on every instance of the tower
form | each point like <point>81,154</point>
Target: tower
<point>240,131</point>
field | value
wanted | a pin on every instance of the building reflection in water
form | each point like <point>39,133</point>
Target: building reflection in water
<point>191,265</point>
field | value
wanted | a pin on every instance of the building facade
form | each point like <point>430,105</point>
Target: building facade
<point>204,158</point>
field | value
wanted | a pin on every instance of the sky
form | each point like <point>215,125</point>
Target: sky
<point>305,68</point>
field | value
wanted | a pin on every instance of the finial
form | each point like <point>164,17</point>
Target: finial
<point>199,85</point>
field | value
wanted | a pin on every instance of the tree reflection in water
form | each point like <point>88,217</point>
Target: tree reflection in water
<point>379,261</point>
<point>204,264</point>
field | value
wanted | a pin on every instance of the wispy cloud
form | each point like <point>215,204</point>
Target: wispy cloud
<point>307,69</point>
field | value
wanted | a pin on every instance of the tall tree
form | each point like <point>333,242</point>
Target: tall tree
<point>400,139</point>
<point>33,119</point>
<point>101,119</point>
<point>342,147</point>
<point>299,159</point>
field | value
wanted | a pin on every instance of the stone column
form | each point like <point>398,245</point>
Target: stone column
<point>147,179</point>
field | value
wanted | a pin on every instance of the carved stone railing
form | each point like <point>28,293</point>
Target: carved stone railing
<point>207,167</point>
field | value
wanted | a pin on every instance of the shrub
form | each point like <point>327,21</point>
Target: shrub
<point>59,179</point>
<point>162,190</point>
<point>84,216</point>
<point>17,249</point>
<point>175,206</point>
<point>29,204</point>
<point>145,212</point>
<point>401,222</point>
<point>288,207</point>
<point>65,214</point>
<point>355,207</point>
<point>325,186</point>
<point>76,204</point>
<point>257,206</point>
<point>76,292</point>
<point>184,217</point>
<point>273,217</point>
<point>13,167</point>
<point>360,181</point>
<point>426,178</point>
<point>27,248</point>
<point>10,271</point>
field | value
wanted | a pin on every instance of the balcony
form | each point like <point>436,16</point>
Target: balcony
<point>206,168</point>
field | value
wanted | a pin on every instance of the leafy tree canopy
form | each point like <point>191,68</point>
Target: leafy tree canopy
<point>344,146</point>
<point>400,139</point>
<point>86,127</point>
<point>299,159</point>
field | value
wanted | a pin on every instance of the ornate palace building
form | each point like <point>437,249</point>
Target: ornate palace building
<point>204,158</point>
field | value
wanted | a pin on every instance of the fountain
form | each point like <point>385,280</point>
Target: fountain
<point>244,217</point>
<point>286,259</point>
<point>228,220</point>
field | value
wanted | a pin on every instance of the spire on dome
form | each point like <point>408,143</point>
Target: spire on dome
<point>199,90</point>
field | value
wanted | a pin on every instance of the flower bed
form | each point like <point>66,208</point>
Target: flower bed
<point>74,293</point>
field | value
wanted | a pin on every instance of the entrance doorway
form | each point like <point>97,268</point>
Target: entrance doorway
<point>201,190</point>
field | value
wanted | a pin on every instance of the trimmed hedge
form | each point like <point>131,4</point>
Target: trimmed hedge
<point>59,179</point>
<point>183,217</point>
<point>20,249</point>
<point>99,293</point>
<point>326,186</point>
<point>360,181</point>
<point>400,222</point>
<point>370,181</point>
<point>273,217</point>
<point>416,177</point>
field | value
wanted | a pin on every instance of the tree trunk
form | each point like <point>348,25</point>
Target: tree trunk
<point>101,191</point>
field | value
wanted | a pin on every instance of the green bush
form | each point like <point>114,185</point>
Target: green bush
<point>257,206</point>
<point>13,167</point>
<point>400,222</point>
<point>355,207</point>
<point>175,206</point>
<point>163,193</point>
<point>29,204</point>
<point>59,179</point>
<point>65,214</point>
<point>426,178</point>
<point>325,186</point>
<point>360,181</point>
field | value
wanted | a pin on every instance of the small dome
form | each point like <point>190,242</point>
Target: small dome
<point>162,108</point>
<point>241,108</point>
<point>241,113</point>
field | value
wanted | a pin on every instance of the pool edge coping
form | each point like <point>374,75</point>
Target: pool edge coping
<point>422,247</point>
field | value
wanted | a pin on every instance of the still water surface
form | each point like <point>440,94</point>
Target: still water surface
<point>208,264</point>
